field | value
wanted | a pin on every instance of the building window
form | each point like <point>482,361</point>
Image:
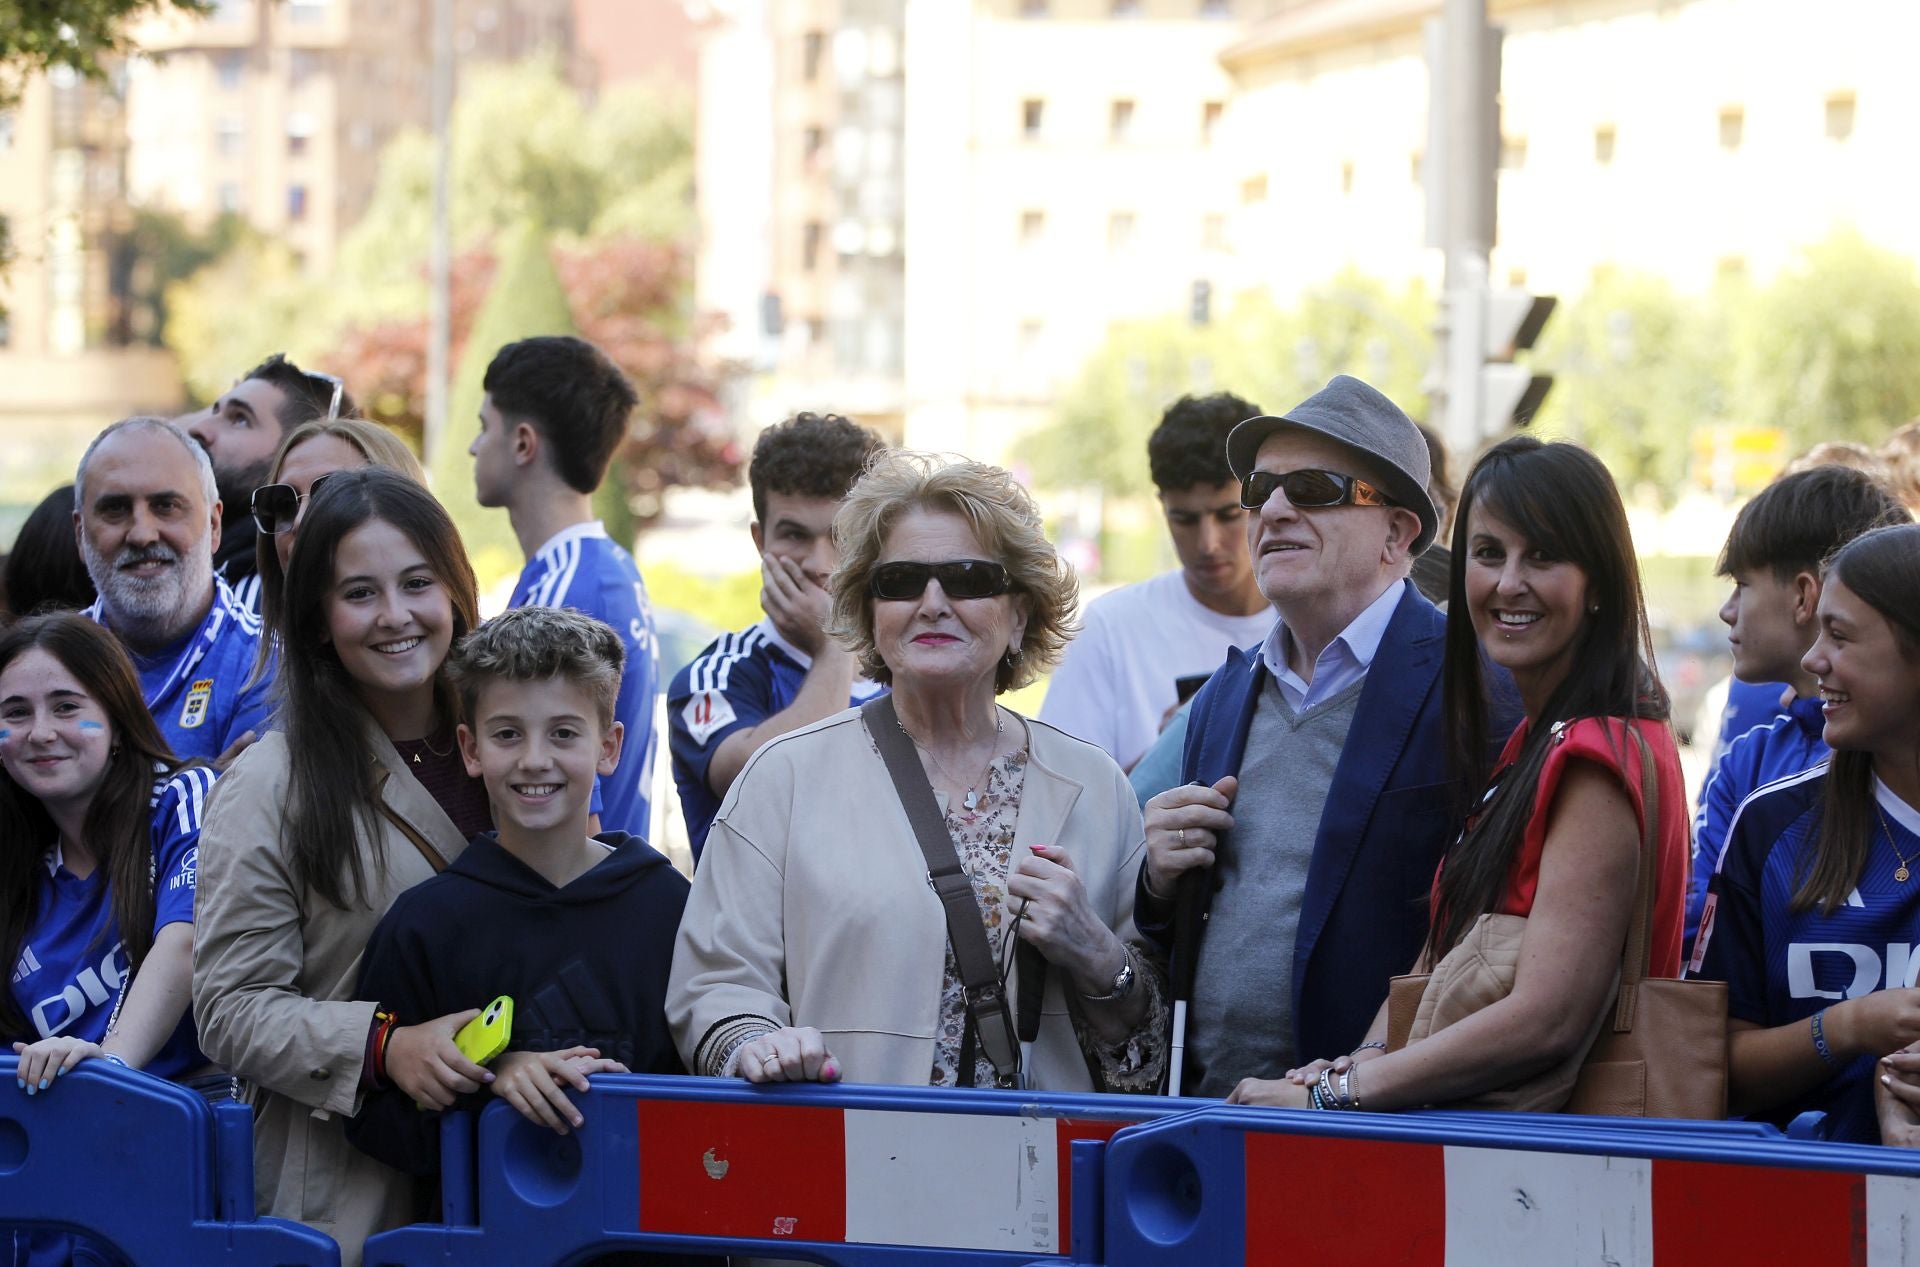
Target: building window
<point>231,136</point>
<point>1603,145</point>
<point>1032,111</point>
<point>1119,230</point>
<point>1733,127</point>
<point>1216,8</point>
<point>813,46</point>
<point>229,196</point>
<point>302,63</point>
<point>1254,189</point>
<point>231,68</point>
<point>812,142</point>
<point>300,130</point>
<point>308,12</point>
<point>810,245</point>
<point>296,202</point>
<point>1033,226</point>
<point>1210,114</point>
<point>1513,153</point>
<point>1033,8</point>
<point>1124,8</point>
<point>816,332</point>
<point>1839,116</point>
<point>1213,232</point>
<point>1120,121</point>
<point>6,131</point>
<point>1200,303</point>
<point>1346,177</point>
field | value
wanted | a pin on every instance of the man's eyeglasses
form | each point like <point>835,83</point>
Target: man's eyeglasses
<point>276,507</point>
<point>1310,489</point>
<point>339,390</point>
<point>962,578</point>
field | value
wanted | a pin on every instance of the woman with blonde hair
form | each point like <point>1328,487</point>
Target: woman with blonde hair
<point>311,453</point>
<point>815,945</point>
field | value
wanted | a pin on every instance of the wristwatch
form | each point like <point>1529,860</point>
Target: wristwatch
<point>1122,985</point>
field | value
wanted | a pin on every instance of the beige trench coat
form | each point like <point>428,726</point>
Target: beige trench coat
<point>273,974</point>
<point>811,905</point>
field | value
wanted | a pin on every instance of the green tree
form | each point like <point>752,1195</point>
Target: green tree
<point>525,300</point>
<point>1638,369</point>
<point>38,35</point>
<point>1830,350</point>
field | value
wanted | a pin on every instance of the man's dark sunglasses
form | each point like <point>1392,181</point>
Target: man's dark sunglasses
<point>277,506</point>
<point>1310,489</point>
<point>962,578</point>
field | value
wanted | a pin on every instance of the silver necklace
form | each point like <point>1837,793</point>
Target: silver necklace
<point>971,800</point>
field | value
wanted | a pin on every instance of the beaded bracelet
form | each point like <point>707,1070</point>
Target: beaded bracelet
<point>1820,1041</point>
<point>1376,1044</point>
<point>1313,1096</point>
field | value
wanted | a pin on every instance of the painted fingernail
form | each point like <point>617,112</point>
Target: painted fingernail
<point>31,1090</point>
<point>45,1083</point>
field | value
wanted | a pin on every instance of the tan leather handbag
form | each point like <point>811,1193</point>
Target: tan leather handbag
<point>1663,1055</point>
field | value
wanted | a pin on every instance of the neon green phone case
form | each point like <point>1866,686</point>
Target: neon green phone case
<point>486,1035</point>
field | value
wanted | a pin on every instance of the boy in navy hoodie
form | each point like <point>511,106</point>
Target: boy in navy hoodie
<point>578,930</point>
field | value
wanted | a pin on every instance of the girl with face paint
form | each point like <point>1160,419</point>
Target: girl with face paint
<point>99,828</point>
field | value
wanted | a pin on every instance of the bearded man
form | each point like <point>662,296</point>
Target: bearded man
<point>146,514</point>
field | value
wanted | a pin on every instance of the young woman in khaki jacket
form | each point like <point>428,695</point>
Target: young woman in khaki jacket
<point>317,828</point>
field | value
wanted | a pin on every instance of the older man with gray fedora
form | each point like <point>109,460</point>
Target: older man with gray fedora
<point>1315,803</point>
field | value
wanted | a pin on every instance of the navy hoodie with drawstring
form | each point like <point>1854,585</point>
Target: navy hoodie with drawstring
<point>586,965</point>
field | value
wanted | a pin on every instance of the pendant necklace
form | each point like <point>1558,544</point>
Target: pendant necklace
<point>1900,875</point>
<point>970,801</point>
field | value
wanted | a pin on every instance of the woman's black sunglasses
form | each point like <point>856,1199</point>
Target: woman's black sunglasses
<point>276,507</point>
<point>1310,489</point>
<point>961,578</point>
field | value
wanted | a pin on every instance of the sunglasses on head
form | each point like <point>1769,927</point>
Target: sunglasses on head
<point>339,389</point>
<point>276,507</point>
<point>962,578</point>
<point>1310,489</point>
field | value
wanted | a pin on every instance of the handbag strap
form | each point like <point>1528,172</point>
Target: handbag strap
<point>966,932</point>
<point>406,828</point>
<point>1636,960</point>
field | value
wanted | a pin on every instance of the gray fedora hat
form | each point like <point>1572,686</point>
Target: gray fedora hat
<point>1358,418</point>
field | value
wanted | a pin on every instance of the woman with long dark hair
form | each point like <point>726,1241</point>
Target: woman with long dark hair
<point>1545,586</point>
<point>357,795</point>
<point>96,875</point>
<point>1815,908</point>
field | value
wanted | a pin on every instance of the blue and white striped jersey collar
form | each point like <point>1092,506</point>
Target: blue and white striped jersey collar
<point>226,610</point>
<point>571,533</point>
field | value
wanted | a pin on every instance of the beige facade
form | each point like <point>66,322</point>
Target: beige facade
<point>1072,163</point>
<point>1685,138</point>
<point>65,367</point>
<point>278,112</point>
<point>1064,173</point>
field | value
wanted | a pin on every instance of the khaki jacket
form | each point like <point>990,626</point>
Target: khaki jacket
<point>273,974</point>
<point>811,904</point>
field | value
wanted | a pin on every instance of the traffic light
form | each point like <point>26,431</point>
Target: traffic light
<point>1510,394</point>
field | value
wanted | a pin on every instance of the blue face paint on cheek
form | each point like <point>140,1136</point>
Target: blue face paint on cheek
<point>88,725</point>
<point>5,735</point>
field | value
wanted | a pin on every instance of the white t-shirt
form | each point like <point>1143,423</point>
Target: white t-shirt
<point>1119,676</point>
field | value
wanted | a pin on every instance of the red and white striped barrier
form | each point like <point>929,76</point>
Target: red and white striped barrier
<point>1367,1201</point>
<point>855,1176</point>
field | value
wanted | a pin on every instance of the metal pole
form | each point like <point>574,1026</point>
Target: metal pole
<point>1469,92</point>
<point>440,267</point>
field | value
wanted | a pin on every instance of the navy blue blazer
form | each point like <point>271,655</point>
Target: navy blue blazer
<point>1389,818</point>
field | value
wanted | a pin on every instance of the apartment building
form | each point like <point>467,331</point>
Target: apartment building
<point>68,362</point>
<point>277,110</point>
<point>1685,138</point>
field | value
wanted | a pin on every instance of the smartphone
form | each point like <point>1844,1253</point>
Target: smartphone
<point>1186,686</point>
<point>486,1035</point>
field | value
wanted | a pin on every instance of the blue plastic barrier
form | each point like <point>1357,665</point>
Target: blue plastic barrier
<point>145,1166</point>
<point>1262,1186</point>
<point>854,1176</point>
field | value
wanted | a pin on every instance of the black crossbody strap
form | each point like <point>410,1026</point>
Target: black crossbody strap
<point>966,930</point>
